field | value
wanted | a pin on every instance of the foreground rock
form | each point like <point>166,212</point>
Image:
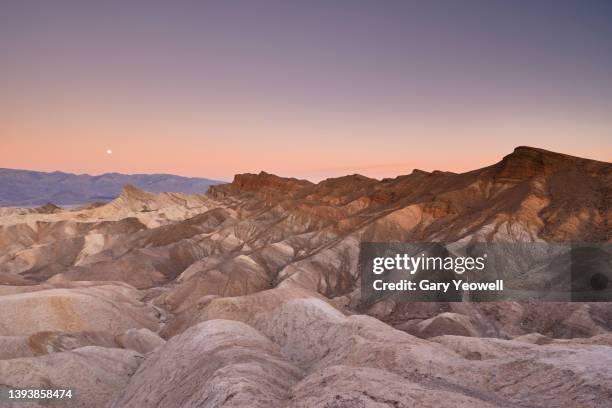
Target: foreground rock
<point>213,364</point>
<point>308,353</point>
<point>95,374</point>
<point>347,386</point>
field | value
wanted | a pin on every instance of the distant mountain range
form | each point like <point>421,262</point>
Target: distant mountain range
<point>31,188</point>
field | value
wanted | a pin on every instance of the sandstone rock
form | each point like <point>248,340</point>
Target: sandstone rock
<point>444,323</point>
<point>533,338</point>
<point>112,309</point>
<point>47,342</point>
<point>347,386</point>
<point>95,374</point>
<point>142,341</point>
<point>213,364</point>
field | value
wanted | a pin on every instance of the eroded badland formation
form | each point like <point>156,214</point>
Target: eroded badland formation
<point>248,295</point>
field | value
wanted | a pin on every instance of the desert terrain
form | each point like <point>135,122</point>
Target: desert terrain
<point>248,294</point>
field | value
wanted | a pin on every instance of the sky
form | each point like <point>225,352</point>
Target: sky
<point>310,89</point>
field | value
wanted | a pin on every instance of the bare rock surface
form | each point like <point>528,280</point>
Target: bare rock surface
<point>346,386</point>
<point>338,354</point>
<point>249,295</point>
<point>213,364</point>
<point>109,308</point>
<point>444,323</point>
<point>95,374</point>
<point>47,342</point>
<point>141,340</point>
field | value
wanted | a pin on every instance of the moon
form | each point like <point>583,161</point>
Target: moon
<point>109,151</point>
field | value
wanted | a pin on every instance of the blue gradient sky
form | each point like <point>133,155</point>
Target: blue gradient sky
<point>309,89</point>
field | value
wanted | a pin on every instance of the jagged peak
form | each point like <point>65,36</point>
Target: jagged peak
<point>351,178</point>
<point>133,196</point>
<point>547,156</point>
<point>48,208</point>
<point>525,162</point>
<point>267,181</point>
<point>442,173</point>
<point>130,190</point>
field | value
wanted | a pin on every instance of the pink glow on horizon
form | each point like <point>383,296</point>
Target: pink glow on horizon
<point>303,89</point>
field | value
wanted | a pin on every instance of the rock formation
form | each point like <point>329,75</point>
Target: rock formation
<point>249,295</point>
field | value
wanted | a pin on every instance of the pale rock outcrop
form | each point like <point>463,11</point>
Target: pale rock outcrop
<point>444,323</point>
<point>110,308</point>
<point>141,340</point>
<point>217,363</point>
<point>95,374</point>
